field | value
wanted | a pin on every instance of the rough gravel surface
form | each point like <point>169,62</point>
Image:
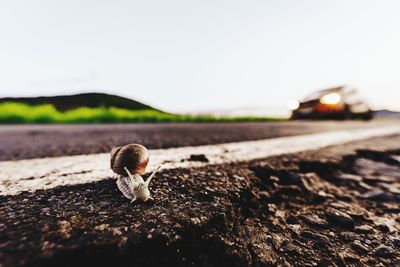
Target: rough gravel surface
<point>337,206</point>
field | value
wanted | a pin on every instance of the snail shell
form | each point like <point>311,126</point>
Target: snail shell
<point>135,157</point>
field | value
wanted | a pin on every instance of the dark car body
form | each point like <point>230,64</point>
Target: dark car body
<point>335,103</point>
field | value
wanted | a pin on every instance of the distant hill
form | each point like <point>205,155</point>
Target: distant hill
<point>386,114</point>
<point>66,102</point>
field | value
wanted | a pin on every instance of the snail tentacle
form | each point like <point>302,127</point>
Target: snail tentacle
<point>152,175</point>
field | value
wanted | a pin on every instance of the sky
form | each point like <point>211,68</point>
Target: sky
<point>208,55</point>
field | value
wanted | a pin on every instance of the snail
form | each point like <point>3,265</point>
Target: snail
<point>130,162</point>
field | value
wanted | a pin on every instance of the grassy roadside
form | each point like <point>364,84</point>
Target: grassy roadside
<point>13,112</point>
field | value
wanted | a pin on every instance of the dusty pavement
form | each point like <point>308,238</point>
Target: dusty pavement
<point>36,141</point>
<point>337,206</point>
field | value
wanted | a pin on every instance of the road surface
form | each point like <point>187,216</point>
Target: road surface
<point>36,141</point>
<point>336,206</point>
<point>321,199</point>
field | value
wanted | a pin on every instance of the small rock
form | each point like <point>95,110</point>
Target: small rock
<point>274,178</point>
<point>350,257</point>
<point>340,205</point>
<point>196,221</point>
<point>249,199</point>
<point>198,157</point>
<point>314,220</point>
<point>325,263</point>
<point>383,251</point>
<point>349,177</point>
<point>286,264</point>
<point>209,189</point>
<point>339,218</point>
<point>291,178</point>
<point>313,235</point>
<point>104,204</point>
<point>358,247</point>
<point>238,177</point>
<point>384,228</point>
<point>102,227</point>
<point>396,242</point>
<point>378,195</point>
<point>349,236</point>
<point>396,158</point>
<point>292,220</point>
<point>289,190</point>
<point>45,209</point>
<point>364,229</point>
<point>271,208</point>
<point>264,195</point>
<point>365,186</point>
<point>280,214</point>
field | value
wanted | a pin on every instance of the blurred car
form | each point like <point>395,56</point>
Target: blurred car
<point>335,103</point>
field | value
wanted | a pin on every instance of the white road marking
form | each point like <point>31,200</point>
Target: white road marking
<point>46,173</point>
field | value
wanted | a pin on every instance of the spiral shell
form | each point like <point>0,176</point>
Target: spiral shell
<point>135,157</point>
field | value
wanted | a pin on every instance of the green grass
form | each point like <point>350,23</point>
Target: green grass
<point>13,112</point>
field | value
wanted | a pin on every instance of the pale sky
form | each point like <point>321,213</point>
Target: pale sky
<point>184,56</point>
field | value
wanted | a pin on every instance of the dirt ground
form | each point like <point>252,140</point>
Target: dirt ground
<point>337,206</point>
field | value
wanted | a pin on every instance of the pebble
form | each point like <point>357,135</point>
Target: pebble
<point>349,236</point>
<point>288,190</point>
<point>349,177</point>
<point>396,241</point>
<point>238,177</point>
<point>274,178</point>
<point>364,229</point>
<point>198,157</point>
<point>195,221</point>
<point>384,228</point>
<point>379,195</point>
<point>339,218</point>
<point>358,247</point>
<point>264,195</point>
<point>325,263</point>
<point>292,220</point>
<point>291,178</point>
<point>313,235</point>
<point>101,227</point>
<point>383,251</point>
<point>314,220</point>
<point>350,257</point>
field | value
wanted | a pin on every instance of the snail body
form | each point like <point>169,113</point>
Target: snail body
<point>130,162</point>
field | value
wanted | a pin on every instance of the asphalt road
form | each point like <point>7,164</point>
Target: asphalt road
<point>335,206</point>
<point>36,141</point>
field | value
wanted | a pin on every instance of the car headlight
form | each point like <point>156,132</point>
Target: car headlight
<point>293,104</point>
<point>330,99</point>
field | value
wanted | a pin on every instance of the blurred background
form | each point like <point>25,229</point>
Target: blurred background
<point>225,58</point>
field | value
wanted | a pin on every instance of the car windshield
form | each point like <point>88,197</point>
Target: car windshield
<point>319,94</point>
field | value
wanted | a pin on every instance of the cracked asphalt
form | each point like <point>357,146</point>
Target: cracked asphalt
<point>337,206</point>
